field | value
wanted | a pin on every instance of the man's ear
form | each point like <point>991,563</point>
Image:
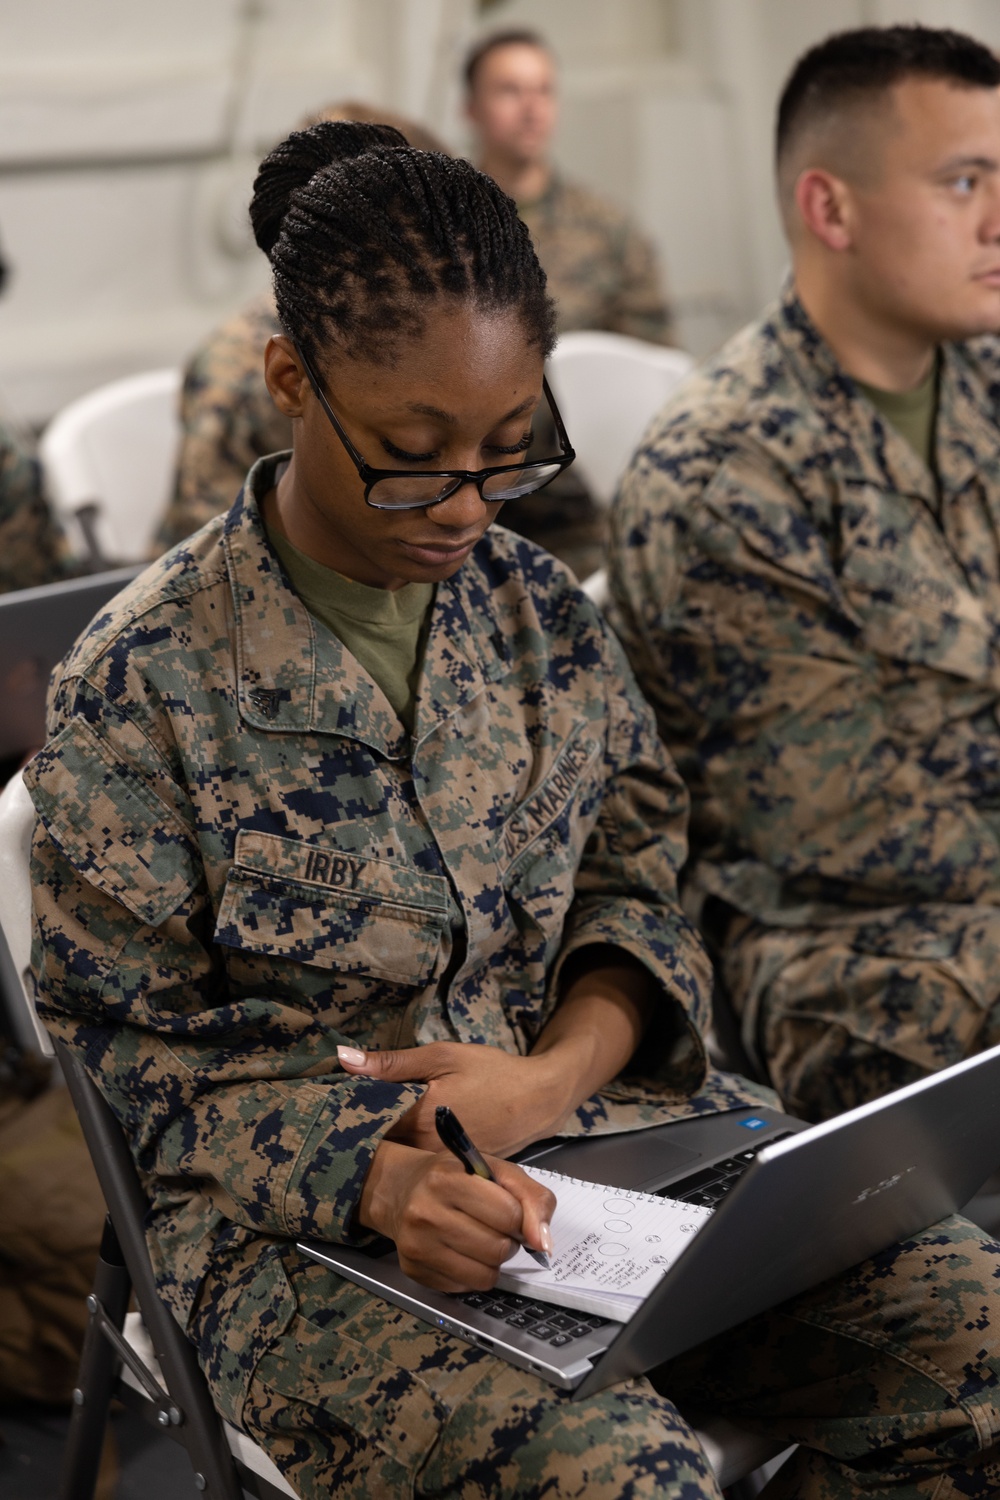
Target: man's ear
<point>285,377</point>
<point>825,207</point>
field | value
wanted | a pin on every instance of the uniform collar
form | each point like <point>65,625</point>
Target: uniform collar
<point>867,449</point>
<point>294,676</point>
<point>547,200</point>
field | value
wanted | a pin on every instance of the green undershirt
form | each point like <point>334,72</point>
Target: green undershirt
<point>912,413</point>
<point>385,630</point>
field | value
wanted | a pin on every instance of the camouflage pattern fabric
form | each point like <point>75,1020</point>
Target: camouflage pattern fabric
<point>241,859</point>
<point>602,272</point>
<point>228,420</point>
<point>31,547</point>
<point>889,1378</point>
<point>816,619</point>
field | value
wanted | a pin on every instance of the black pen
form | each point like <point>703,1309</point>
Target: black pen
<point>458,1143</point>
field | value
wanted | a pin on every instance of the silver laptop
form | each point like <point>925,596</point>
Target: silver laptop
<point>791,1206</point>
<point>37,628</point>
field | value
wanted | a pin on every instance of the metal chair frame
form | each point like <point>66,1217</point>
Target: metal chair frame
<point>178,1401</point>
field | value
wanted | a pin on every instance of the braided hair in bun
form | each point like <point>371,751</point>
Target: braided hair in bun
<point>364,233</point>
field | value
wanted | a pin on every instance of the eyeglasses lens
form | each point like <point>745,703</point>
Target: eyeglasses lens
<point>518,481</point>
<point>412,490</point>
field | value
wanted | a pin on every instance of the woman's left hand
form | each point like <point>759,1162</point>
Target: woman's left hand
<point>503,1100</point>
<point>506,1101</point>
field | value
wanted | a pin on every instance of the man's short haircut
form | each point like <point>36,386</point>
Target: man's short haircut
<point>516,37</point>
<point>854,67</point>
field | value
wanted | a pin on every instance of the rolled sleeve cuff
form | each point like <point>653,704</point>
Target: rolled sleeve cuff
<point>672,1051</point>
<point>326,1185</point>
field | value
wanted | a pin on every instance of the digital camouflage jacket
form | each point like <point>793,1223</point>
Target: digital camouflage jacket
<point>816,618</point>
<point>602,272</point>
<point>240,861</point>
<point>228,420</point>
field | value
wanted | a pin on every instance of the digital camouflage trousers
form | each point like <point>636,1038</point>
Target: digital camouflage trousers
<point>837,1018</point>
<point>888,1378</point>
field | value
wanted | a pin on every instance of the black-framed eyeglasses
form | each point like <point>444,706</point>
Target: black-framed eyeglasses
<point>413,489</point>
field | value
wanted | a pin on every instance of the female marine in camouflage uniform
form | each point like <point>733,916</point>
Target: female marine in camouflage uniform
<point>349,811</point>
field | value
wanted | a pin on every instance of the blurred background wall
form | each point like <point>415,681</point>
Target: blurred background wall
<point>129,133</point>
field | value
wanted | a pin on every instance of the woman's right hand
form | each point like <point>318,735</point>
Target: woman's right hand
<point>453,1231</point>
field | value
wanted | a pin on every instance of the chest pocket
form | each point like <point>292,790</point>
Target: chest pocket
<point>905,583</point>
<point>543,840</point>
<point>318,905</point>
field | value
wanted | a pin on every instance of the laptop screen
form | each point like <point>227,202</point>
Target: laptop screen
<point>37,628</point>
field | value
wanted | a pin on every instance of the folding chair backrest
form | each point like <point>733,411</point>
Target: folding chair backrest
<point>17,819</point>
<point>115,448</point>
<point>609,388</point>
<point>596,588</point>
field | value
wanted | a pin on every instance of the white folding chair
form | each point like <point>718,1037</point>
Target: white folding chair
<point>144,1357</point>
<point>609,388</point>
<point>108,461</point>
<point>596,588</point>
<point>17,819</point>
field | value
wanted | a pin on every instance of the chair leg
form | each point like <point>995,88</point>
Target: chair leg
<point>197,1424</point>
<point>97,1376</point>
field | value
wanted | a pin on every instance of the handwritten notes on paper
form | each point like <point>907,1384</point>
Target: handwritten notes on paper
<point>611,1247</point>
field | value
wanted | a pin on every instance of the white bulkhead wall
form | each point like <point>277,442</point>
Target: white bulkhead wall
<point>129,134</point>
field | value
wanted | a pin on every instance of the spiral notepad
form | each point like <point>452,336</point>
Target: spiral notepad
<point>611,1247</point>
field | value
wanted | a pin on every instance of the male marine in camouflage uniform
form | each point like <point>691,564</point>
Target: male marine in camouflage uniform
<point>242,860</point>
<point>808,586</point>
<point>601,270</point>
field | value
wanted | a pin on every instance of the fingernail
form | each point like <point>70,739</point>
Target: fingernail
<point>352,1056</point>
<point>545,1235</point>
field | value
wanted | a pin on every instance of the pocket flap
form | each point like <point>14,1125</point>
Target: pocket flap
<point>321,905</point>
<point>111,825</point>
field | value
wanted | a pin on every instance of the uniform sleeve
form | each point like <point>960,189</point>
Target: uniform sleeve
<point>228,421</point>
<point>243,1094</point>
<point>31,545</point>
<point>626,885</point>
<point>727,601</point>
<point>640,308</point>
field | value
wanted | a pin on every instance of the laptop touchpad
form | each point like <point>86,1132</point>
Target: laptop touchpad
<point>622,1160</point>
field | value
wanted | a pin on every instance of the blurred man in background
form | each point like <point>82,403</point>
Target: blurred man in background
<point>31,545</point>
<point>228,419</point>
<point>806,573</point>
<point>602,272</point>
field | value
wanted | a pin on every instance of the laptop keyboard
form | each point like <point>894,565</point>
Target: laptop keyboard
<point>555,1325</point>
<point>709,1186</point>
<point>559,1326</point>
